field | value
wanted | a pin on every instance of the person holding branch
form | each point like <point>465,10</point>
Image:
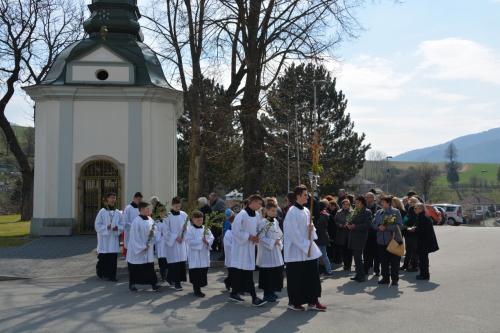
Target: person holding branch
<point>301,256</point>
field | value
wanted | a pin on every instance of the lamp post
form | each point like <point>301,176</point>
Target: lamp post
<point>388,172</point>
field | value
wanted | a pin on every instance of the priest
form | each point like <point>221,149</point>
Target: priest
<point>301,256</point>
<point>140,256</point>
<point>108,226</point>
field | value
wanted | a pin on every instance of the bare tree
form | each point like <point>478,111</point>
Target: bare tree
<point>260,37</point>
<point>32,33</point>
<point>183,36</point>
<point>426,174</point>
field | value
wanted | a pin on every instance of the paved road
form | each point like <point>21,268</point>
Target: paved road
<point>463,296</point>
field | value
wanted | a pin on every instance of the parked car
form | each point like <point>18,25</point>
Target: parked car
<point>454,213</point>
<point>444,216</point>
<point>433,213</point>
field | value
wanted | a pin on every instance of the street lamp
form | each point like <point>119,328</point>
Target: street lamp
<point>388,172</point>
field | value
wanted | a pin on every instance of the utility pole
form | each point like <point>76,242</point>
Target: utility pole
<point>388,172</point>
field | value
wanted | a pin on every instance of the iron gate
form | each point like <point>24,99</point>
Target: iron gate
<point>96,179</point>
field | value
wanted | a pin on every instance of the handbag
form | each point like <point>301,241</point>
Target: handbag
<point>396,248</point>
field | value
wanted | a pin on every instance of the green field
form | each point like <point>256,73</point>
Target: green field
<point>12,231</point>
<point>482,171</point>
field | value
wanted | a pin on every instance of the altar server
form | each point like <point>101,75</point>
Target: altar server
<point>129,214</point>
<point>199,240</point>
<point>228,243</point>
<point>269,257</point>
<point>161,222</point>
<point>175,244</point>
<point>301,256</point>
<point>108,226</point>
<point>245,239</point>
<point>140,256</point>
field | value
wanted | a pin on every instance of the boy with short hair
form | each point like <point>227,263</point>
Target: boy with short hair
<point>175,245</point>
<point>245,239</point>
<point>160,240</point>
<point>108,226</point>
<point>140,256</point>
<point>199,240</point>
<point>129,214</point>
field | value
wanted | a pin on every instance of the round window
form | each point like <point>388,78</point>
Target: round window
<point>102,74</point>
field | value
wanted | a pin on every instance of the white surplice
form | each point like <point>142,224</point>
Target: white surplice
<point>243,250</point>
<point>108,240</point>
<point>129,215</point>
<point>268,252</point>
<point>175,251</point>
<point>296,236</point>
<point>161,238</point>
<point>228,243</point>
<point>140,250</point>
<point>198,251</point>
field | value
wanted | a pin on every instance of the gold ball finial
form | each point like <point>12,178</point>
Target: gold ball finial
<point>104,32</point>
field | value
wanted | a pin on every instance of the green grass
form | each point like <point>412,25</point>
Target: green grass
<point>13,232</point>
<point>474,169</point>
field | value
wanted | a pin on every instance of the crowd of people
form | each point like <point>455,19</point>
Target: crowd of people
<point>368,229</point>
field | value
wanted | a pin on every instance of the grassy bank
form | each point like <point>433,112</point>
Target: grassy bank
<point>13,232</point>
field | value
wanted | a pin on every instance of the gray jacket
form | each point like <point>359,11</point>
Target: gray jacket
<point>384,237</point>
<point>342,234</point>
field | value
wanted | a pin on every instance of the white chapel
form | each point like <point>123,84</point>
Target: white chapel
<point>106,121</point>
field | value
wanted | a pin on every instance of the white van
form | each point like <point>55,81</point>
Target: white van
<point>454,212</point>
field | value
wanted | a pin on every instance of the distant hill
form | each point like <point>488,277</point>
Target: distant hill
<point>481,147</point>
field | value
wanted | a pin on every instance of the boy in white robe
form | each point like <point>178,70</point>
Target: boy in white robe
<point>245,239</point>
<point>140,256</point>
<point>161,232</point>
<point>108,226</point>
<point>175,244</point>
<point>199,241</point>
<point>269,257</point>
<point>129,214</point>
<point>301,256</point>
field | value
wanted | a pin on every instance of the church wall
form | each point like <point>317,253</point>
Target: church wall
<point>160,150</point>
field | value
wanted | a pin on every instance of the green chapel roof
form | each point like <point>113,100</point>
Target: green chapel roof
<point>114,25</point>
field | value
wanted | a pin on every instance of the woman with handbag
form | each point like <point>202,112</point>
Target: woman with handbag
<point>426,241</point>
<point>388,224</point>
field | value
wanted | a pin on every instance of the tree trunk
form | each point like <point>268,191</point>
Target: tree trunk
<point>253,142</point>
<point>194,150</point>
<point>24,165</point>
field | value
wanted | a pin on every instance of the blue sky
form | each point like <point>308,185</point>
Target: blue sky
<point>421,72</point>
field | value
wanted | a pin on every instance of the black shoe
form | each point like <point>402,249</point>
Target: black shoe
<point>199,294</point>
<point>347,269</point>
<point>226,283</point>
<point>113,279</point>
<point>132,288</point>
<point>403,267</point>
<point>354,278</point>
<point>423,277</point>
<point>394,283</point>
<point>178,287</point>
<point>258,302</point>
<point>384,281</point>
<point>236,298</point>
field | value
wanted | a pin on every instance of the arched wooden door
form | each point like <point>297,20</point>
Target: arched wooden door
<point>96,179</point>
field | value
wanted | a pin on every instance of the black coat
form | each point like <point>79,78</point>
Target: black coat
<point>322,229</point>
<point>359,235</point>
<point>426,237</point>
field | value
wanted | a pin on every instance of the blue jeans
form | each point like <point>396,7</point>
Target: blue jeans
<point>326,260</point>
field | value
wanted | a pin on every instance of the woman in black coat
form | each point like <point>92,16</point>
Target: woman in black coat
<point>358,234</point>
<point>426,240</point>
<point>342,235</point>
